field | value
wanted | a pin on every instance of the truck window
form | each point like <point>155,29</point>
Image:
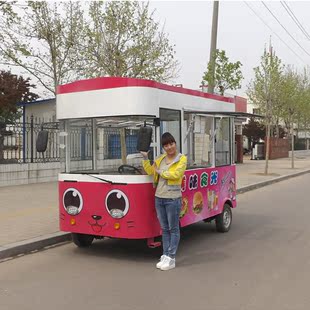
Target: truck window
<point>170,121</point>
<point>199,141</point>
<point>222,141</point>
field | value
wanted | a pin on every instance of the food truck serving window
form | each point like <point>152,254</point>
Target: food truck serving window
<point>198,141</point>
<point>222,141</point>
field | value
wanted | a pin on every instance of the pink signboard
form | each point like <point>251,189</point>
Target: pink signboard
<point>204,192</point>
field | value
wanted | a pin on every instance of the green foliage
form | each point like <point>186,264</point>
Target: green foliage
<point>6,9</point>
<point>123,39</point>
<point>227,74</point>
<point>280,92</point>
<point>290,97</point>
<point>304,98</point>
<point>59,42</point>
<point>264,91</point>
<point>43,41</point>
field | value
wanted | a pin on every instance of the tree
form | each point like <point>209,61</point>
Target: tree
<point>291,102</point>
<point>304,119</point>
<point>264,91</point>
<point>13,90</point>
<point>6,7</point>
<point>43,41</point>
<point>254,130</point>
<point>7,15</point>
<point>123,39</point>
<point>227,75</point>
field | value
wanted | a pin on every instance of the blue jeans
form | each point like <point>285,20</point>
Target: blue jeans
<point>168,211</point>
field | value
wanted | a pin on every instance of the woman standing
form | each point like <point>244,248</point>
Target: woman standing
<point>168,170</point>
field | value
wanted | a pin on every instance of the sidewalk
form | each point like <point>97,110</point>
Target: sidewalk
<point>29,213</point>
<point>251,172</point>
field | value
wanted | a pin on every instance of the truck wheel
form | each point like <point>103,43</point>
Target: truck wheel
<point>82,240</point>
<point>223,220</point>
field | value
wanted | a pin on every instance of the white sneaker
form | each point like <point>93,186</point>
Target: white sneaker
<point>161,261</point>
<point>168,263</point>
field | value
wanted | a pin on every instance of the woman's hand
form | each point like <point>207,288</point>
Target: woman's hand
<point>144,154</point>
<point>157,169</point>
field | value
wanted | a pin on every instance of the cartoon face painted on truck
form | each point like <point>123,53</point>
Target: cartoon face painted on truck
<point>108,210</point>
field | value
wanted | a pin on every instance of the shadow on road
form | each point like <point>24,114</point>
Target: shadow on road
<point>199,242</point>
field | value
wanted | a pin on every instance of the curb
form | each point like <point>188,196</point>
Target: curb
<point>251,187</point>
<point>34,244</point>
<point>39,243</point>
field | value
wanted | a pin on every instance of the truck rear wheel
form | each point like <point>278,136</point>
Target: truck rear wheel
<point>82,240</point>
<point>223,220</point>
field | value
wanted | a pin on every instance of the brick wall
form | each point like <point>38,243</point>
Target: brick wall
<point>279,148</point>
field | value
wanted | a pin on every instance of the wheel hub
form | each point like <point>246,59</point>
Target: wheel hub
<point>226,218</point>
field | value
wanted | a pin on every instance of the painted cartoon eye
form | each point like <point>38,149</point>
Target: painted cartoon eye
<point>72,201</point>
<point>117,203</point>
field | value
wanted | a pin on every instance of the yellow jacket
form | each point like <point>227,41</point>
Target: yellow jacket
<point>174,173</point>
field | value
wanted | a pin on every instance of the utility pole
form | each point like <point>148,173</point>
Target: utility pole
<point>213,45</point>
<point>291,110</point>
<point>268,110</point>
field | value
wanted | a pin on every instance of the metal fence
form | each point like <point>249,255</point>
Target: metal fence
<point>81,141</point>
<point>18,143</point>
<point>113,142</point>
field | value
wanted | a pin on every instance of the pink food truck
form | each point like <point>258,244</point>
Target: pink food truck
<point>103,189</point>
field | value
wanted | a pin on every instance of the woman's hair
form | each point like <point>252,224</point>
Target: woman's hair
<point>167,138</point>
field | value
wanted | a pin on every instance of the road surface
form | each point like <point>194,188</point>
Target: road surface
<point>262,263</point>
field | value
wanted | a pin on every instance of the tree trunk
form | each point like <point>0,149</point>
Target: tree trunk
<point>292,148</point>
<point>267,146</point>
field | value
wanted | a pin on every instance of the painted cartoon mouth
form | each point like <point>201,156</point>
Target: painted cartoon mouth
<point>96,227</point>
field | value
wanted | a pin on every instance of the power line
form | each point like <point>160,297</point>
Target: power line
<point>295,19</point>
<point>284,28</point>
<point>274,32</point>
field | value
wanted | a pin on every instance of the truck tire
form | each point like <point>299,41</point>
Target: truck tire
<point>223,220</point>
<point>82,240</point>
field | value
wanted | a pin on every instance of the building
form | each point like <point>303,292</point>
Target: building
<point>41,110</point>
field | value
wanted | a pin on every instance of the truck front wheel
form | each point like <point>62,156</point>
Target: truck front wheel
<point>223,220</point>
<point>82,240</point>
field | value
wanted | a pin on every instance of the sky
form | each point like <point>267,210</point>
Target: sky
<point>240,33</point>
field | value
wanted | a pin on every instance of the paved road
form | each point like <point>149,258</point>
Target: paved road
<point>262,263</point>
